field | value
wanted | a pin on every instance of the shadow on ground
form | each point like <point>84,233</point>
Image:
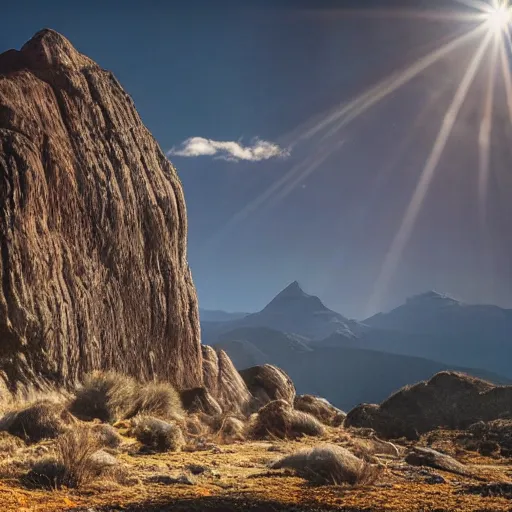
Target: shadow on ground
<point>214,504</point>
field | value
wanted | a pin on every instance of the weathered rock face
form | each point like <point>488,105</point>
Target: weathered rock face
<point>268,383</point>
<point>449,400</point>
<point>223,381</point>
<point>92,228</point>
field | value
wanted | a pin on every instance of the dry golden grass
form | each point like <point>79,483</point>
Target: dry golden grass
<point>238,474</point>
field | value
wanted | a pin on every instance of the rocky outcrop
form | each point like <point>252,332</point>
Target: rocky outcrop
<point>223,381</point>
<point>448,400</point>
<point>268,383</point>
<point>199,400</point>
<point>93,229</point>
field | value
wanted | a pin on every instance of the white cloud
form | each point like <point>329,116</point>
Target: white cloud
<point>230,150</point>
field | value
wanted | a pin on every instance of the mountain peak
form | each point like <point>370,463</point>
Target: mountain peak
<point>431,297</point>
<point>293,290</point>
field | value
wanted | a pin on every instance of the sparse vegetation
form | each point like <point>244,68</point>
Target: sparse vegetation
<point>232,429</point>
<point>74,465</point>
<point>9,444</point>
<point>278,419</point>
<point>107,435</point>
<point>320,408</point>
<point>41,420</point>
<point>107,396</point>
<point>157,435</point>
<point>329,465</point>
<point>158,399</point>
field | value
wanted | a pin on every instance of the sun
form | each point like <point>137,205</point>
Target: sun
<point>500,17</point>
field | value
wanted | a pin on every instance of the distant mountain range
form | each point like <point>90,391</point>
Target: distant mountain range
<point>208,315</point>
<point>350,362</point>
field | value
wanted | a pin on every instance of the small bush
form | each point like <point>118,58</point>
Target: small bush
<point>194,426</point>
<point>329,465</point>
<point>278,419</point>
<point>232,429</point>
<point>158,435</point>
<point>75,465</point>
<point>157,399</point>
<point>9,444</point>
<point>41,420</point>
<point>107,396</point>
<point>106,435</point>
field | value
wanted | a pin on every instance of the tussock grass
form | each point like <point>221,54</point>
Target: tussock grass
<point>37,421</point>
<point>9,444</point>
<point>106,435</point>
<point>107,396</point>
<point>110,396</point>
<point>157,435</point>
<point>329,465</point>
<point>158,399</point>
<point>320,408</point>
<point>278,419</point>
<point>74,465</point>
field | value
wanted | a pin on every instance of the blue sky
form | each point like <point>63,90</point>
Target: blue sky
<point>236,71</point>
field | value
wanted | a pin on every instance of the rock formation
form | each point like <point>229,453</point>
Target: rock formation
<point>93,229</point>
<point>449,399</point>
<point>268,383</point>
<point>224,382</point>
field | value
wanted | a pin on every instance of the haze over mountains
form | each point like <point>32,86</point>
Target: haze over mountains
<point>350,362</point>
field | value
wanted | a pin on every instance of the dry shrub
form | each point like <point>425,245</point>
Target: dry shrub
<point>158,435</point>
<point>329,465</point>
<point>41,420</point>
<point>106,396</point>
<point>158,399</point>
<point>107,435</point>
<point>339,419</point>
<point>9,444</point>
<point>278,419</point>
<point>302,423</point>
<point>232,429</point>
<point>76,464</point>
<point>194,426</point>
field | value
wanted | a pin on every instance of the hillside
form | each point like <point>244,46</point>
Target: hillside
<point>439,327</point>
<point>346,376</point>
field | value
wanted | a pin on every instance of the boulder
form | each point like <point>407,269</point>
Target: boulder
<point>268,383</point>
<point>420,456</point>
<point>223,381</point>
<point>449,400</point>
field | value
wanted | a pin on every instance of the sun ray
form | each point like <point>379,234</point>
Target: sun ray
<point>407,13</point>
<point>282,187</point>
<point>480,5</point>
<point>391,84</point>
<point>401,238</point>
<point>484,138</point>
<point>507,77</point>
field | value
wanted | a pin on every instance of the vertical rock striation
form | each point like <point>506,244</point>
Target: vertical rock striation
<point>93,229</point>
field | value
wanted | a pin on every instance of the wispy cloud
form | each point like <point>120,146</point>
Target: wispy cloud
<point>232,151</point>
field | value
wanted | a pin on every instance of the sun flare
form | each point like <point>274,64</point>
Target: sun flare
<point>500,17</point>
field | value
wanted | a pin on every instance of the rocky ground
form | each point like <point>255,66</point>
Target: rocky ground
<point>236,476</point>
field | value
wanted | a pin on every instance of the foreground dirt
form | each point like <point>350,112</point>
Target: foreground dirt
<point>236,478</point>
